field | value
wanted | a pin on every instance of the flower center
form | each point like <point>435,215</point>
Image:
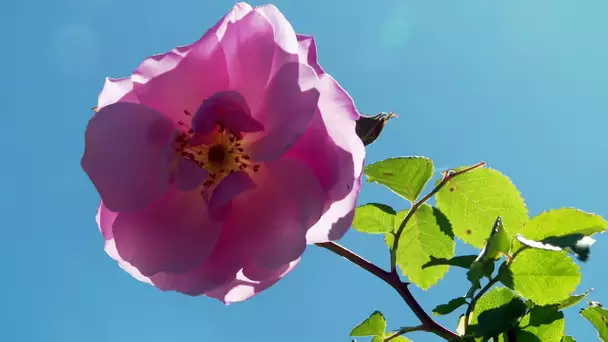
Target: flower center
<point>220,153</point>
<point>217,154</point>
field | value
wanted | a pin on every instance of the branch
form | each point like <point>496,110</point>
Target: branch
<point>393,280</point>
<point>449,175</point>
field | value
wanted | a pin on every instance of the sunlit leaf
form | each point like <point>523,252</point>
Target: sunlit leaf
<point>598,316</point>
<point>406,176</point>
<point>427,233</point>
<point>572,300</point>
<point>543,277</point>
<point>396,339</point>
<point>577,244</point>
<point>374,325</point>
<point>472,202</point>
<point>567,338</point>
<point>498,243</point>
<point>374,218</point>
<point>562,222</point>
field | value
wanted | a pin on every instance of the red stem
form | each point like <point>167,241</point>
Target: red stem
<point>393,280</point>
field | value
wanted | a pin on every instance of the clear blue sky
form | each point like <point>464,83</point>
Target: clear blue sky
<point>520,84</point>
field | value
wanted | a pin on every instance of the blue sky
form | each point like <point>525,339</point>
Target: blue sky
<point>520,84</point>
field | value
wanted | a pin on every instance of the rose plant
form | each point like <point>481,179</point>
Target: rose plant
<point>219,162</point>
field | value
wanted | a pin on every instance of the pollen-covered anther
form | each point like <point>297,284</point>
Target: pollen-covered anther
<point>220,155</point>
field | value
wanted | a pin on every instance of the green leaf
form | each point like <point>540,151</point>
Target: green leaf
<point>577,244</point>
<point>374,218</point>
<point>543,277</point>
<point>572,300</point>
<point>598,316</point>
<point>562,222</point>
<point>425,234</point>
<point>374,325</point>
<point>463,261</point>
<point>496,311</point>
<point>405,176</point>
<point>542,323</point>
<point>452,305</point>
<point>498,244</point>
<point>567,338</point>
<point>400,339</point>
<point>473,200</point>
<point>479,269</point>
<point>396,339</point>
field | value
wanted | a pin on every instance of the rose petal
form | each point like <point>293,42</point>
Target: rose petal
<point>286,112</point>
<point>237,13</point>
<point>110,248</point>
<point>243,288</point>
<point>189,175</point>
<point>231,186</point>
<point>173,234</point>
<point>287,47</point>
<point>308,52</point>
<point>125,155</point>
<point>249,47</point>
<point>319,152</point>
<point>178,82</point>
<point>218,270</point>
<point>228,108</point>
<point>105,220</point>
<point>116,90</point>
<point>284,35</point>
<point>274,216</point>
<point>339,112</point>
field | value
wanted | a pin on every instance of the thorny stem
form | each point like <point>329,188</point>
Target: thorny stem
<point>448,175</point>
<point>485,289</point>
<point>392,279</point>
<point>403,331</point>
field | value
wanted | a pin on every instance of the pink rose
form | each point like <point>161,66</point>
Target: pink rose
<point>218,162</point>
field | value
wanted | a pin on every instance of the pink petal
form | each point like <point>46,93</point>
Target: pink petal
<point>218,270</point>
<point>110,248</point>
<point>319,152</point>
<point>237,13</point>
<point>275,215</point>
<point>253,48</point>
<point>105,220</point>
<point>180,80</point>
<point>339,112</point>
<point>173,234</point>
<point>231,186</point>
<point>242,288</point>
<point>228,108</point>
<point>285,38</point>
<point>308,53</point>
<point>125,155</point>
<point>189,175</point>
<point>284,35</point>
<point>116,90</point>
<point>287,111</point>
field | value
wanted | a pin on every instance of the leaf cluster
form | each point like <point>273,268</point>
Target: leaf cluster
<point>525,273</point>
